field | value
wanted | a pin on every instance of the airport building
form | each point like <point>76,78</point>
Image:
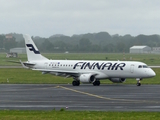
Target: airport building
<point>140,49</point>
<point>18,50</point>
<point>156,50</point>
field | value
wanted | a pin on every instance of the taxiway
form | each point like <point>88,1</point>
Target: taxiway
<point>115,97</point>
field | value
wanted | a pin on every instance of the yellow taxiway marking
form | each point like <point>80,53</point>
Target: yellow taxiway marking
<point>106,98</point>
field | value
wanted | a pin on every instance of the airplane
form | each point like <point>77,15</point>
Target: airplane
<point>85,71</point>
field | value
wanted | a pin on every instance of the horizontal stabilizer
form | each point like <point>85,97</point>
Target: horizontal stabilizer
<point>27,65</point>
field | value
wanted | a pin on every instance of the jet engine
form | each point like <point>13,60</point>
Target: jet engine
<point>87,78</point>
<point>117,80</point>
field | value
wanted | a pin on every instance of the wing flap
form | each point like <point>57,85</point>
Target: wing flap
<point>65,73</point>
<point>58,71</point>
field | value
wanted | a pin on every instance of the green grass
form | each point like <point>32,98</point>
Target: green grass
<point>26,76</point>
<point>77,115</point>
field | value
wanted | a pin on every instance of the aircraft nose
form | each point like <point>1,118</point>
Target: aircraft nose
<point>151,73</point>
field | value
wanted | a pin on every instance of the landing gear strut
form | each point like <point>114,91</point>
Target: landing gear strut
<point>138,82</point>
<point>76,83</point>
<point>96,83</point>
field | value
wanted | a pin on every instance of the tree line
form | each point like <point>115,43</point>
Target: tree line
<point>91,42</point>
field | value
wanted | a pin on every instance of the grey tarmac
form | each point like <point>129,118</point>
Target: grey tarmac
<point>113,97</point>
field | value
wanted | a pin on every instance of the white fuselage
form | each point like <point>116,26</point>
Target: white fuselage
<point>101,69</point>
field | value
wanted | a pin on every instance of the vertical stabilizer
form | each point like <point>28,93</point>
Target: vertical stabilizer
<point>31,49</point>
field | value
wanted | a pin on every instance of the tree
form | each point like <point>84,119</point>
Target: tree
<point>109,48</point>
<point>1,41</point>
<point>10,43</point>
<point>120,47</point>
<point>84,45</point>
<point>47,46</point>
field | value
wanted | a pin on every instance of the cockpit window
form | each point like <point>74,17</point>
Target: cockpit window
<point>142,66</point>
<point>145,66</point>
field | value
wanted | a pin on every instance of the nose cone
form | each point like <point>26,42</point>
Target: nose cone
<point>151,73</point>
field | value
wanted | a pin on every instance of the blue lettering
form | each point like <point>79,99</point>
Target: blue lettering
<point>114,66</point>
<point>121,65</point>
<point>102,66</point>
<point>83,65</point>
<point>98,66</point>
<point>76,65</point>
<point>107,65</point>
<point>88,65</point>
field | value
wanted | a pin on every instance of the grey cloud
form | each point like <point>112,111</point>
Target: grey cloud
<point>47,17</point>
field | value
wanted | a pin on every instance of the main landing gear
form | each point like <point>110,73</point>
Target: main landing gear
<point>96,83</point>
<point>138,82</point>
<point>76,83</point>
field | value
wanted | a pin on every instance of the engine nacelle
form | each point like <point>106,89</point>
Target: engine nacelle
<point>117,80</point>
<point>87,78</point>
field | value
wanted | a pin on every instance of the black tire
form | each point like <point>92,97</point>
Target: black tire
<point>138,84</point>
<point>76,83</point>
<point>96,83</point>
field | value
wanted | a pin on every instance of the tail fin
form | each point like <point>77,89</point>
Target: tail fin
<point>31,49</point>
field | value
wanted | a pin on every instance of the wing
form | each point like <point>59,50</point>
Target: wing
<point>65,73</point>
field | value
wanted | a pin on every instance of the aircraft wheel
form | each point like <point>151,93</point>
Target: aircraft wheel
<point>96,83</point>
<point>75,83</point>
<point>138,84</point>
<point>78,83</point>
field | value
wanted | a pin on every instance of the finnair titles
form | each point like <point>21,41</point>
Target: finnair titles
<point>102,66</point>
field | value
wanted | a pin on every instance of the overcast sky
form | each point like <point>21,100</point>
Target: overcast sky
<point>48,17</point>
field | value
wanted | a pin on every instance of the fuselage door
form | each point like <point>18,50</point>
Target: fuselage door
<point>45,65</point>
<point>132,68</point>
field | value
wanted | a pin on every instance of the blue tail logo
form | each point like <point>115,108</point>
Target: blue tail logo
<point>31,48</point>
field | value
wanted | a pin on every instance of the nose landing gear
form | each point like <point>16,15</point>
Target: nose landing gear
<point>138,82</point>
